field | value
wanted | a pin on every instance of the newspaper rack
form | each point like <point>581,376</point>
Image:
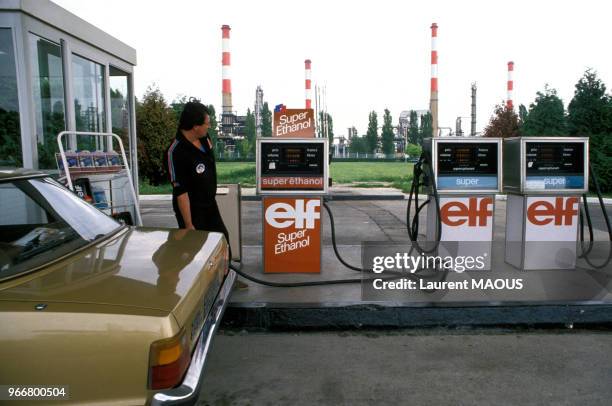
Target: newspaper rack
<point>102,178</point>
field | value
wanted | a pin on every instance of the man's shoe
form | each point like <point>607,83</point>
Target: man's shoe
<point>239,285</point>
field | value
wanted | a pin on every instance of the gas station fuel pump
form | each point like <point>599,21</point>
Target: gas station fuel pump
<point>544,178</point>
<point>292,175</point>
<point>467,175</point>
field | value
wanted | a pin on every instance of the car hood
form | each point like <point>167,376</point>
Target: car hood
<point>135,268</point>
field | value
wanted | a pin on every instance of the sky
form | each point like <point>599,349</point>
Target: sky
<point>372,55</point>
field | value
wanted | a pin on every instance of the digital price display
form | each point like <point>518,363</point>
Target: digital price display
<point>293,156</point>
<point>475,159</point>
<point>467,166</point>
<point>292,159</point>
<point>554,165</point>
<point>544,158</point>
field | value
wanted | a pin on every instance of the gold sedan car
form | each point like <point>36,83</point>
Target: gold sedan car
<point>115,314</point>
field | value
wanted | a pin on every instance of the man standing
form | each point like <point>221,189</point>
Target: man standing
<point>193,173</point>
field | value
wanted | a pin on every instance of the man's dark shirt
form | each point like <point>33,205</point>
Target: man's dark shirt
<point>193,171</point>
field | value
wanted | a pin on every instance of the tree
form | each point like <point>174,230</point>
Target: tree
<point>250,132</point>
<point>414,137</point>
<point>426,129</point>
<point>522,114</point>
<point>372,133</point>
<point>590,114</point>
<point>503,123</point>
<point>321,125</point>
<point>413,150</point>
<point>213,130</point>
<point>250,129</point>
<point>358,145</point>
<point>156,125</point>
<point>10,140</point>
<point>546,116</point>
<point>387,136</point>
<point>326,124</point>
<point>178,104</point>
<point>589,111</point>
<point>119,106</point>
<point>244,147</point>
<point>266,121</point>
<point>53,123</point>
<point>119,118</point>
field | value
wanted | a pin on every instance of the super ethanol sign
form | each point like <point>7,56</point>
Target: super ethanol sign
<point>294,123</point>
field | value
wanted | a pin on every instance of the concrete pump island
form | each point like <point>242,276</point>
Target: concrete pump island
<point>459,244</point>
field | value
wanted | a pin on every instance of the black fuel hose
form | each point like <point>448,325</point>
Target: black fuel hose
<point>584,213</point>
<point>413,225</point>
<point>412,228</point>
<point>585,253</point>
<point>333,236</point>
<point>601,202</point>
<point>238,270</point>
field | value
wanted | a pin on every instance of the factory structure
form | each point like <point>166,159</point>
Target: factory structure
<point>308,76</point>
<point>257,111</point>
<point>510,86</point>
<point>232,127</point>
<point>404,125</point>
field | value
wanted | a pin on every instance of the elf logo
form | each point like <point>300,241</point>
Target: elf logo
<point>475,214</point>
<point>303,215</point>
<point>562,212</point>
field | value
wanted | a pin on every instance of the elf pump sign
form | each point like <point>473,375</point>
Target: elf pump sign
<point>552,218</point>
<point>466,218</point>
<point>292,235</point>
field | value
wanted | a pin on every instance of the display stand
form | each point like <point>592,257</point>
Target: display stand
<point>101,178</point>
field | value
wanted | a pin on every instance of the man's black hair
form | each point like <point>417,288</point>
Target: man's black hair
<point>194,113</point>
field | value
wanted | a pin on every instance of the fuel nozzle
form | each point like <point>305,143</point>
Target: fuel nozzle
<point>425,181</point>
<point>419,175</point>
<point>329,181</point>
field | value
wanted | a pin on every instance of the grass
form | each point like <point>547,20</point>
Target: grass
<point>227,172</point>
<point>358,174</point>
<point>373,174</point>
<point>236,172</point>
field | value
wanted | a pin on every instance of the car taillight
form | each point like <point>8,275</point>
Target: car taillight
<point>168,361</point>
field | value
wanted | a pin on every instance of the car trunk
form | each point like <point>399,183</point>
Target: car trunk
<point>174,272</point>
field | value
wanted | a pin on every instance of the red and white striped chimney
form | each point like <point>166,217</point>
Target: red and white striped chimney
<point>433,100</point>
<point>225,60</point>
<point>307,63</point>
<point>509,102</point>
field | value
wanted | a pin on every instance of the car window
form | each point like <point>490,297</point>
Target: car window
<point>18,208</point>
<point>40,221</point>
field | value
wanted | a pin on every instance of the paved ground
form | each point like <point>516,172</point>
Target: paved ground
<point>383,221</point>
<point>417,367</point>
<point>410,368</point>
